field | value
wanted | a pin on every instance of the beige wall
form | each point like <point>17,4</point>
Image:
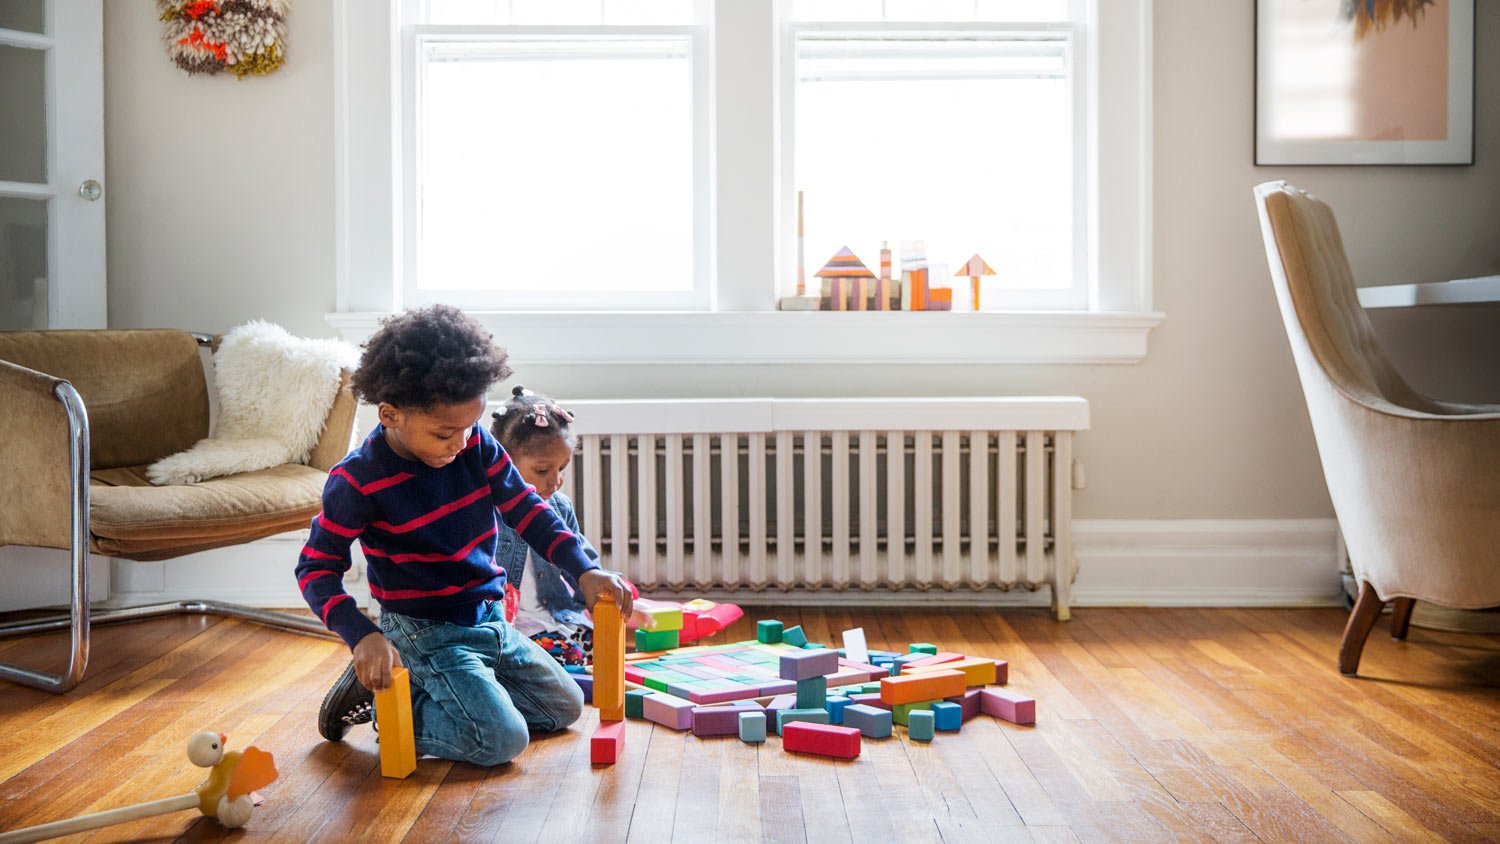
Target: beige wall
<point>221,210</point>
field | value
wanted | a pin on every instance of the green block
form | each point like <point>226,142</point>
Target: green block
<point>768,631</point>
<point>921,726</point>
<point>664,619</point>
<point>870,689</point>
<point>794,636</point>
<point>655,640</point>
<point>812,646</point>
<point>633,703</point>
<point>812,693</point>
<point>901,712</point>
<point>923,648</point>
<point>656,683</point>
<point>787,716</point>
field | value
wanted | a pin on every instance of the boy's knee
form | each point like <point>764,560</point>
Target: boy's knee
<point>499,745</point>
<point>570,705</point>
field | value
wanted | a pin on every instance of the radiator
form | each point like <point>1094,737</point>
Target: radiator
<point>831,500</point>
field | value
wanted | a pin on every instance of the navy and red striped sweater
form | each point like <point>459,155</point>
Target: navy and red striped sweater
<point>428,534</point>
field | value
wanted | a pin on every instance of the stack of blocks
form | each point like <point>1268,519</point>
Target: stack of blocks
<point>661,630</point>
<point>609,682</point>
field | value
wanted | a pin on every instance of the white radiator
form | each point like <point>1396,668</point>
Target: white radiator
<point>823,500</point>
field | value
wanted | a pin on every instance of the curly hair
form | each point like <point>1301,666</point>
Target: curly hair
<point>517,426</point>
<point>430,356</point>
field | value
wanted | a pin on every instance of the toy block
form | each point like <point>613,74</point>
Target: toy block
<point>719,720</point>
<point>635,674</point>
<point>777,687</point>
<point>812,693</point>
<point>977,670</point>
<point>768,631</point>
<point>398,742</point>
<point>729,691</point>
<point>921,726</point>
<point>855,647</point>
<point>922,648</point>
<point>822,739</point>
<point>752,726</point>
<point>933,659</point>
<point>649,640</point>
<point>576,669</point>
<point>663,618</point>
<point>836,705</point>
<point>668,711</point>
<point>609,660</point>
<point>968,703</point>
<point>804,664</point>
<point>586,683</point>
<point>869,699</point>
<point>947,717</point>
<point>787,716</point>
<point>868,688</point>
<point>813,646</point>
<point>794,636</point>
<point>1005,704</point>
<point>634,699</point>
<point>871,722</point>
<point>901,712</point>
<point>922,685</point>
<point>607,742</point>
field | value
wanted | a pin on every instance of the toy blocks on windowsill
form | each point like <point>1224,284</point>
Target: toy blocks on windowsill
<point>922,685</point>
<point>921,726</point>
<point>398,742</point>
<point>822,739</point>
<point>1008,705</point>
<point>607,742</point>
<point>871,722</point>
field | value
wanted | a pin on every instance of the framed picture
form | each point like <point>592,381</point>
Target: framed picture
<point>1364,81</point>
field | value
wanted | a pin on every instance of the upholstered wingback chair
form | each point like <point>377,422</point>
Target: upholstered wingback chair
<point>1415,482</point>
<point>82,414</point>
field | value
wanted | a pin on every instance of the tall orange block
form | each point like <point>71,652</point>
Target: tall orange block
<point>609,661</point>
<point>398,743</point>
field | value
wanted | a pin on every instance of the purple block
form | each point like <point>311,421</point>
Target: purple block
<point>968,701</point>
<point>668,711</point>
<point>1013,707</point>
<point>721,720</point>
<point>779,703</point>
<point>802,665</point>
<point>778,687</point>
<point>585,682</point>
<point>869,699</point>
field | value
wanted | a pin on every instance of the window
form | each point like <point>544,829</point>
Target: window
<point>957,133</point>
<point>640,160</point>
<point>552,157</point>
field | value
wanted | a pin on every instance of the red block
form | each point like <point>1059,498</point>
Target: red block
<point>607,742</point>
<point>1001,703</point>
<point>822,739</point>
<point>635,675</point>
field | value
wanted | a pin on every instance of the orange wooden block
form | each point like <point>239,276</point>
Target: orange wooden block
<point>922,685</point>
<point>398,743</point>
<point>980,671</point>
<point>609,660</point>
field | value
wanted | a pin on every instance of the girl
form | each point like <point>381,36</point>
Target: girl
<point>541,600</point>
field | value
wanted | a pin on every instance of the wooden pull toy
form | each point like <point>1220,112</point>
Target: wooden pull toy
<point>227,794</point>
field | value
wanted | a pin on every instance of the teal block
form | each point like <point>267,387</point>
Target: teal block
<point>811,646</point>
<point>768,631</point>
<point>794,636</point>
<point>923,648</point>
<point>633,702</point>
<point>870,688</point>
<point>812,693</point>
<point>752,726</point>
<point>921,726</point>
<point>835,704</point>
<point>787,716</point>
<point>947,717</point>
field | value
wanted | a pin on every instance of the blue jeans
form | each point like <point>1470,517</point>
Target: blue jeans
<point>478,692</point>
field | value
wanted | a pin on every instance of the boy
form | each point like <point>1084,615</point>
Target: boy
<point>421,494</point>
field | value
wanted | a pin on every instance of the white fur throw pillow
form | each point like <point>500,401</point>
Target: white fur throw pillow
<point>275,391</point>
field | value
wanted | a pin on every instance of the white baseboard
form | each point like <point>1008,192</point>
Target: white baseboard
<point>1198,562</point>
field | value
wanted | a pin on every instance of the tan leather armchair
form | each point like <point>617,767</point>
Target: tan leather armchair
<point>83,413</point>
<point>1415,482</point>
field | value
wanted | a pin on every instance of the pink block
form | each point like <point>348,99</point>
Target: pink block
<point>1002,672</point>
<point>871,671</point>
<point>777,687</point>
<point>739,692</point>
<point>969,702</point>
<point>868,699</point>
<point>1005,704</point>
<point>850,676</point>
<point>635,675</point>
<point>668,711</point>
<point>935,659</point>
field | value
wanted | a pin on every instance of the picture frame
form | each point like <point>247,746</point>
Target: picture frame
<point>1364,82</point>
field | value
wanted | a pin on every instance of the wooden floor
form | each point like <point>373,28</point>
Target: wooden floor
<point>1153,725</point>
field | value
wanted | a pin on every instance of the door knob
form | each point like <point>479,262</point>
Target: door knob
<point>90,190</point>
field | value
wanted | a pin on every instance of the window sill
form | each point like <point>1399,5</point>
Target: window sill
<point>787,337</point>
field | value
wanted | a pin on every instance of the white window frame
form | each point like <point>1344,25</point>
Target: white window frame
<point>1079,296</point>
<point>416,36</point>
<point>750,212</point>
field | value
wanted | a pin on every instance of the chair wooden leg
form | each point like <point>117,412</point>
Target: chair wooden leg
<point>1401,616</point>
<point>1366,611</point>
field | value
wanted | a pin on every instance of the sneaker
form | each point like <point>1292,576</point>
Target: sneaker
<point>347,704</point>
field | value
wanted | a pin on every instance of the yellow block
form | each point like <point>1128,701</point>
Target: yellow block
<point>398,744</point>
<point>609,660</point>
<point>977,670</point>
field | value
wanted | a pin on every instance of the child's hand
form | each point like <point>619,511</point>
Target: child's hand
<point>598,583</point>
<point>374,657</point>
